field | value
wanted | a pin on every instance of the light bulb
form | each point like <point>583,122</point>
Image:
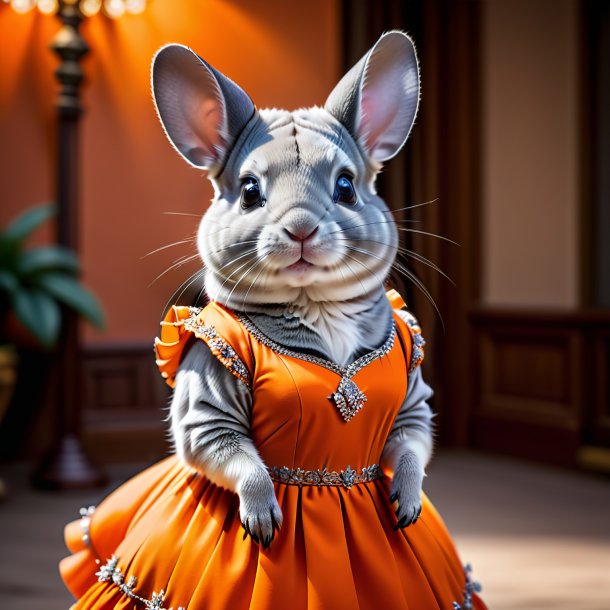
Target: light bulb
<point>135,7</point>
<point>114,8</point>
<point>22,6</point>
<point>48,7</point>
<point>90,7</point>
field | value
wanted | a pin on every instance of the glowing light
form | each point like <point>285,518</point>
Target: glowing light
<point>22,6</point>
<point>48,7</point>
<point>114,8</point>
<point>135,7</point>
<point>90,7</point>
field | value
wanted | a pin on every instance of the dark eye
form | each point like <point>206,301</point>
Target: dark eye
<point>344,190</point>
<point>251,193</point>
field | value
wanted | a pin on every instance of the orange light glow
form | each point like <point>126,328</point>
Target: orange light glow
<point>130,175</point>
<point>89,8</point>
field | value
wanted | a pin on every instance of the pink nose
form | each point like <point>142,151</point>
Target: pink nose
<point>301,234</point>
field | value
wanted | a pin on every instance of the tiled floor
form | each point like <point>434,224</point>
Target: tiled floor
<point>538,538</point>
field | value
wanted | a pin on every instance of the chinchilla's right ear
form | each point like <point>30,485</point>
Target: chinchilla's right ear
<point>377,99</point>
<point>201,110</point>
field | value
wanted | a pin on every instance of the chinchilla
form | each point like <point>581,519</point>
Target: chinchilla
<point>296,229</point>
<point>297,238</point>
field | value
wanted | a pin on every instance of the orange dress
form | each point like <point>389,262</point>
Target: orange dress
<point>169,538</point>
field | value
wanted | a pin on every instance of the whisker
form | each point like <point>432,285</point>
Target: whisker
<point>392,221</point>
<point>243,275</point>
<point>198,276</point>
<point>410,275</point>
<point>411,207</point>
<point>190,277</point>
<point>176,243</point>
<point>230,276</point>
<point>262,259</point>
<point>182,214</point>
<point>235,245</point>
<point>251,251</point>
<point>410,253</point>
<point>181,261</point>
<point>409,230</point>
<point>366,269</point>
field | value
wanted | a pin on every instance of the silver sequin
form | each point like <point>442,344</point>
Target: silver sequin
<point>85,521</point>
<point>348,397</point>
<point>110,572</point>
<point>219,346</point>
<point>345,478</point>
<point>470,588</point>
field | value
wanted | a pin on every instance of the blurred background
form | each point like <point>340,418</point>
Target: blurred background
<point>509,158</point>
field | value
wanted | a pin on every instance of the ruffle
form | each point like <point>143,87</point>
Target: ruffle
<point>337,549</point>
<point>178,328</point>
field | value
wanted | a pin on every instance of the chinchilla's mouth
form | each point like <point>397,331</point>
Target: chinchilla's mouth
<point>300,266</point>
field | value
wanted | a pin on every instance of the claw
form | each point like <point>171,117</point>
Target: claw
<point>274,524</point>
<point>394,497</point>
<point>267,542</point>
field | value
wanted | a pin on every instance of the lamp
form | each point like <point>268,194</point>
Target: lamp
<point>67,465</point>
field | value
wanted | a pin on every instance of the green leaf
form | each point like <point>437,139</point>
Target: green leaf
<point>47,258</point>
<point>9,253</point>
<point>39,313</point>
<point>67,290</point>
<point>25,224</point>
<point>8,282</point>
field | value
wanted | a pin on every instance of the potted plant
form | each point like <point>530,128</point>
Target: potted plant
<point>35,282</point>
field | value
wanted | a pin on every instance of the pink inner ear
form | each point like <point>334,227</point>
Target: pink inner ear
<point>383,129</point>
<point>389,97</point>
<point>207,123</point>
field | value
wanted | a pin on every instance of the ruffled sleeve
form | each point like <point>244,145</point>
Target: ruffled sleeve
<point>212,325</point>
<point>417,340</point>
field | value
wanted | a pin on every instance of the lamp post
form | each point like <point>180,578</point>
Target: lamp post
<point>67,465</point>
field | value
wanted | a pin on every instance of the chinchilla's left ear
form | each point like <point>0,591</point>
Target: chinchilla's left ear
<point>377,99</point>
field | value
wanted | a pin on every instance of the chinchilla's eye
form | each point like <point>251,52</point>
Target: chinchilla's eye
<point>251,193</point>
<point>344,190</point>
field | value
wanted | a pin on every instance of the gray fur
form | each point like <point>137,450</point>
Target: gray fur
<point>373,324</point>
<point>210,416</point>
<point>335,303</point>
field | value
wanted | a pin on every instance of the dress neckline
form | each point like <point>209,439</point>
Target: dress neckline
<point>343,371</point>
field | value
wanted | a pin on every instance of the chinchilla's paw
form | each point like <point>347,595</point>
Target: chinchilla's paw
<point>405,490</point>
<point>258,508</point>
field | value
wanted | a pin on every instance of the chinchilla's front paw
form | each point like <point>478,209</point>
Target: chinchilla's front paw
<point>258,508</point>
<point>406,489</point>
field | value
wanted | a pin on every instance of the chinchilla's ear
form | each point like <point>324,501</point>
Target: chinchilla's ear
<point>201,110</point>
<point>377,99</point>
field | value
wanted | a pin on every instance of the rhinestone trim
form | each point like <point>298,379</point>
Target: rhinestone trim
<point>470,588</point>
<point>348,397</point>
<point>85,521</point>
<point>110,572</point>
<point>345,478</point>
<point>218,346</point>
<point>417,340</point>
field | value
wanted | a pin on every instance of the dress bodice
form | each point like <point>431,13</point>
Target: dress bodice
<point>296,421</point>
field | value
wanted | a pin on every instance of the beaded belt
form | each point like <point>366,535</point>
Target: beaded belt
<point>346,478</point>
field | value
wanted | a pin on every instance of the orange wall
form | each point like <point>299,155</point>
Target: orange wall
<point>282,54</point>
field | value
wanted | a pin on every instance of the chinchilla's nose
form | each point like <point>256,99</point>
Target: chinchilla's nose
<point>300,234</point>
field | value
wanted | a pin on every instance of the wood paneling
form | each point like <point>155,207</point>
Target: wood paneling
<point>600,424</point>
<point>124,404</point>
<point>541,383</point>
